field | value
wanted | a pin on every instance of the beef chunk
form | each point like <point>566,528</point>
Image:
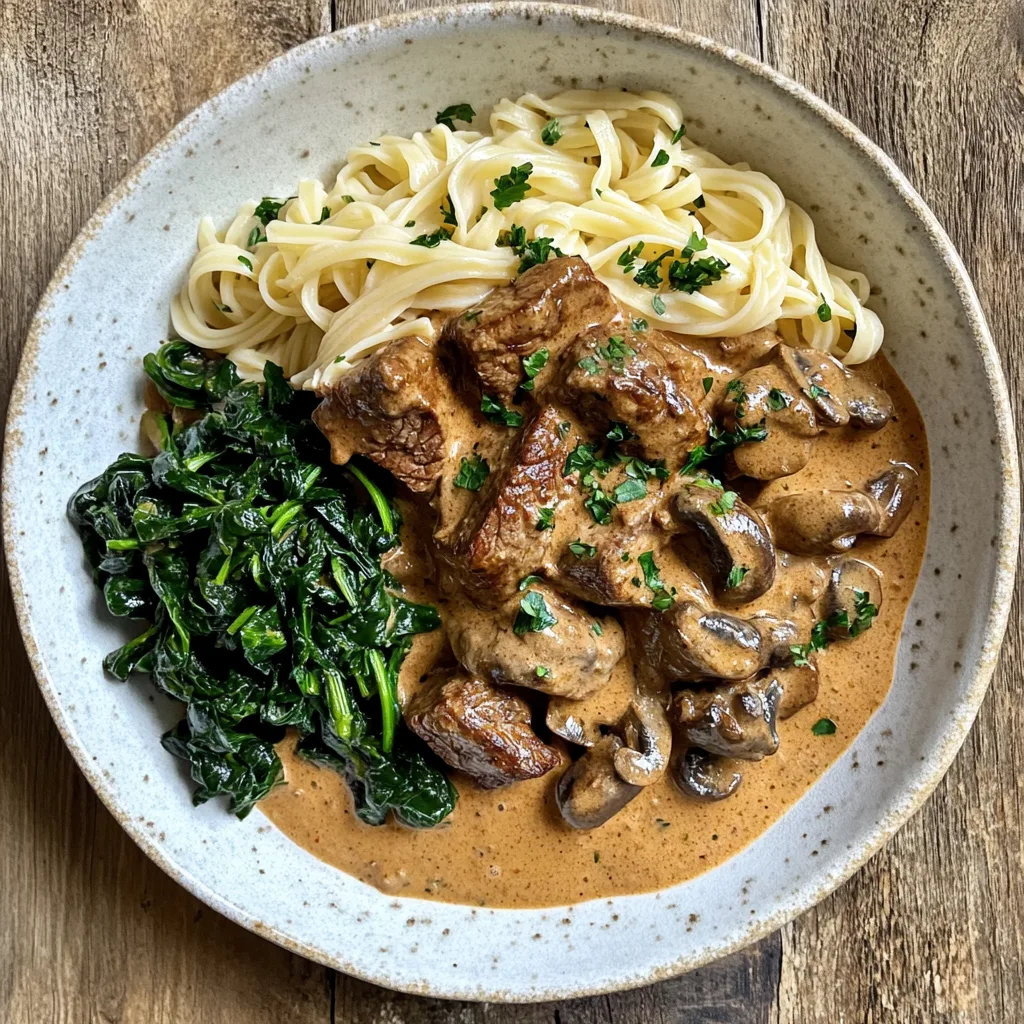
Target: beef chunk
<point>479,729</point>
<point>391,407</point>
<point>572,657</point>
<point>747,350</point>
<point>497,542</point>
<point>546,307</point>
<point>644,380</point>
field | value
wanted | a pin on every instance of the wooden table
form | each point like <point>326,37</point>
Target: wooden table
<point>931,930</point>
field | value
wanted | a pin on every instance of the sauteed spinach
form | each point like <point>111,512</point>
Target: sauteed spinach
<point>256,565</point>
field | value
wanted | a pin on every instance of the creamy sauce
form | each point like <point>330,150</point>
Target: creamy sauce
<point>510,847</point>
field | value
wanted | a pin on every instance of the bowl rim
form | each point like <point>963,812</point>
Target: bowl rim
<point>1007,533</point>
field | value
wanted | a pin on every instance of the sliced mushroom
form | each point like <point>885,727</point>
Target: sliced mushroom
<point>778,634</point>
<point>591,791</point>
<point>689,643</point>
<point>822,522</point>
<point>737,720</point>
<point>799,684</point>
<point>853,597</point>
<point>839,396</point>
<point>585,721</point>
<point>746,350</point>
<point>648,742</point>
<point>895,490</point>
<point>705,776</point>
<point>767,395</point>
<point>734,536</point>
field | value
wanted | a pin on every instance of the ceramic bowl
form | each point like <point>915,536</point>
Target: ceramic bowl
<point>78,396</point>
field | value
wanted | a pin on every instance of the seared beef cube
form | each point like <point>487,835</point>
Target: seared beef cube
<point>479,729</point>
<point>391,407</point>
<point>641,379</point>
<point>546,307</point>
<point>571,656</point>
<point>497,543</point>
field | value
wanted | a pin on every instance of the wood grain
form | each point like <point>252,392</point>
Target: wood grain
<point>931,930</point>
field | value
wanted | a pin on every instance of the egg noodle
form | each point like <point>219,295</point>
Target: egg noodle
<point>413,227</point>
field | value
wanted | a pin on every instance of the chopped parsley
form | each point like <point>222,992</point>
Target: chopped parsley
<point>694,244</point>
<point>534,616</point>
<point>693,275</point>
<point>663,600</point>
<point>638,324</point>
<point>269,209</point>
<point>660,159</point>
<point>629,490</point>
<point>629,256</point>
<point>583,550</point>
<point>545,519</point>
<point>649,275</point>
<point>720,441</point>
<point>709,383</point>
<point>245,261</point>
<point>778,400</point>
<point>619,432</point>
<point>472,314</point>
<point>824,311</point>
<point>528,581</point>
<point>325,213</point>
<point>678,134</point>
<point>600,506</point>
<point>614,354</point>
<point>737,391</point>
<point>725,504</point>
<point>472,473</point>
<point>819,392</point>
<point>532,365</point>
<point>551,132</point>
<point>597,628</point>
<point>512,187</point>
<point>864,610</point>
<point>433,240</point>
<point>823,727</point>
<point>819,637</point>
<point>530,253</point>
<point>448,212</point>
<point>658,305</point>
<point>735,577</point>
<point>497,413</point>
<point>542,671</point>
<point>410,223</point>
<point>563,430</point>
<point>456,112</point>
<point>255,237</point>
<point>589,365</point>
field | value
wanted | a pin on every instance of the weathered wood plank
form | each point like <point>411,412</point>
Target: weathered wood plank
<point>90,929</point>
<point>931,929</point>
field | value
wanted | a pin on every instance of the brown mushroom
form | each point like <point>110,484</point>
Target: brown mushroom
<point>799,685</point>
<point>839,396</point>
<point>591,791</point>
<point>895,490</point>
<point>825,522</point>
<point>706,776</point>
<point>648,739</point>
<point>585,721</point>
<point>734,537</point>
<point>737,720</point>
<point>853,597</point>
<point>822,522</point>
<point>767,395</point>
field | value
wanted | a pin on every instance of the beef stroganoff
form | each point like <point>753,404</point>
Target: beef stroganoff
<point>572,546</point>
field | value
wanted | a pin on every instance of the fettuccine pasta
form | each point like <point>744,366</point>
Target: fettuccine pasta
<point>420,226</point>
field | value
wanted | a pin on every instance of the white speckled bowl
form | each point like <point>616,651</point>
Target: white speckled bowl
<point>76,403</point>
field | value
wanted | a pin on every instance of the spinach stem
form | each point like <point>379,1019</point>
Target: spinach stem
<point>284,518</point>
<point>342,579</point>
<point>388,709</point>
<point>122,544</point>
<point>243,618</point>
<point>378,499</point>
<point>339,705</point>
